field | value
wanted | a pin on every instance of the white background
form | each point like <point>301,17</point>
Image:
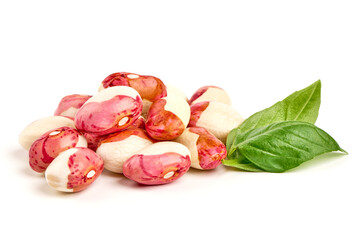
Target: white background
<point>259,51</point>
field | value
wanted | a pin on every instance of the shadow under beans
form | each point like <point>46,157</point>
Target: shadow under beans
<point>221,169</point>
<point>119,178</point>
<point>26,170</point>
<point>20,154</point>
<point>21,157</point>
<point>44,189</point>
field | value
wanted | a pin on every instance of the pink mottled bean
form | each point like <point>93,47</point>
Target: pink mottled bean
<point>210,93</point>
<point>116,148</point>
<point>150,88</point>
<point>139,123</point>
<point>172,90</point>
<point>69,105</point>
<point>37,128</point>
<point>74,170</point>
<point>159,163</point>
<point>206,150</point>
<point>111,110</point>
<point>93,139</point>
<point>167,118</point>
<point>218,118</point>
<point>43,151</point>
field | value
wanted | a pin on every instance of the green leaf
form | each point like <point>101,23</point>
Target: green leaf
<point>279,146</point>
<point>243,166</point>
<point>302,105</point>
<point>230,138</point>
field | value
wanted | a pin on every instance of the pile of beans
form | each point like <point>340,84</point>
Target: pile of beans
<point>136,126</point>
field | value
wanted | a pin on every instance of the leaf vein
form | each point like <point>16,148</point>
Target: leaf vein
<point>306,103</point>
<point>258,120</point>
<point>306,139</point>
<point>292,146</point>
<point>263,151</point>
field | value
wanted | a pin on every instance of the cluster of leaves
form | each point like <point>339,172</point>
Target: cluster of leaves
<point>282,136</point>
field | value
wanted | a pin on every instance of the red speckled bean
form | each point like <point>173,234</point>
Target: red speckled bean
<point>210,93</point>
<point>69,105</point>
<point>37,128</point>
<point>111,110</point>
<point>93,139</point>
<point>150,88</point>
<point>43,151</point>
<point>159,163</point>
<point>218,118</point>
<point>74,170</point>
<point>167,118</point>
<point>139,123</point>
<point>116,148</point>
<point>206,150</point>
